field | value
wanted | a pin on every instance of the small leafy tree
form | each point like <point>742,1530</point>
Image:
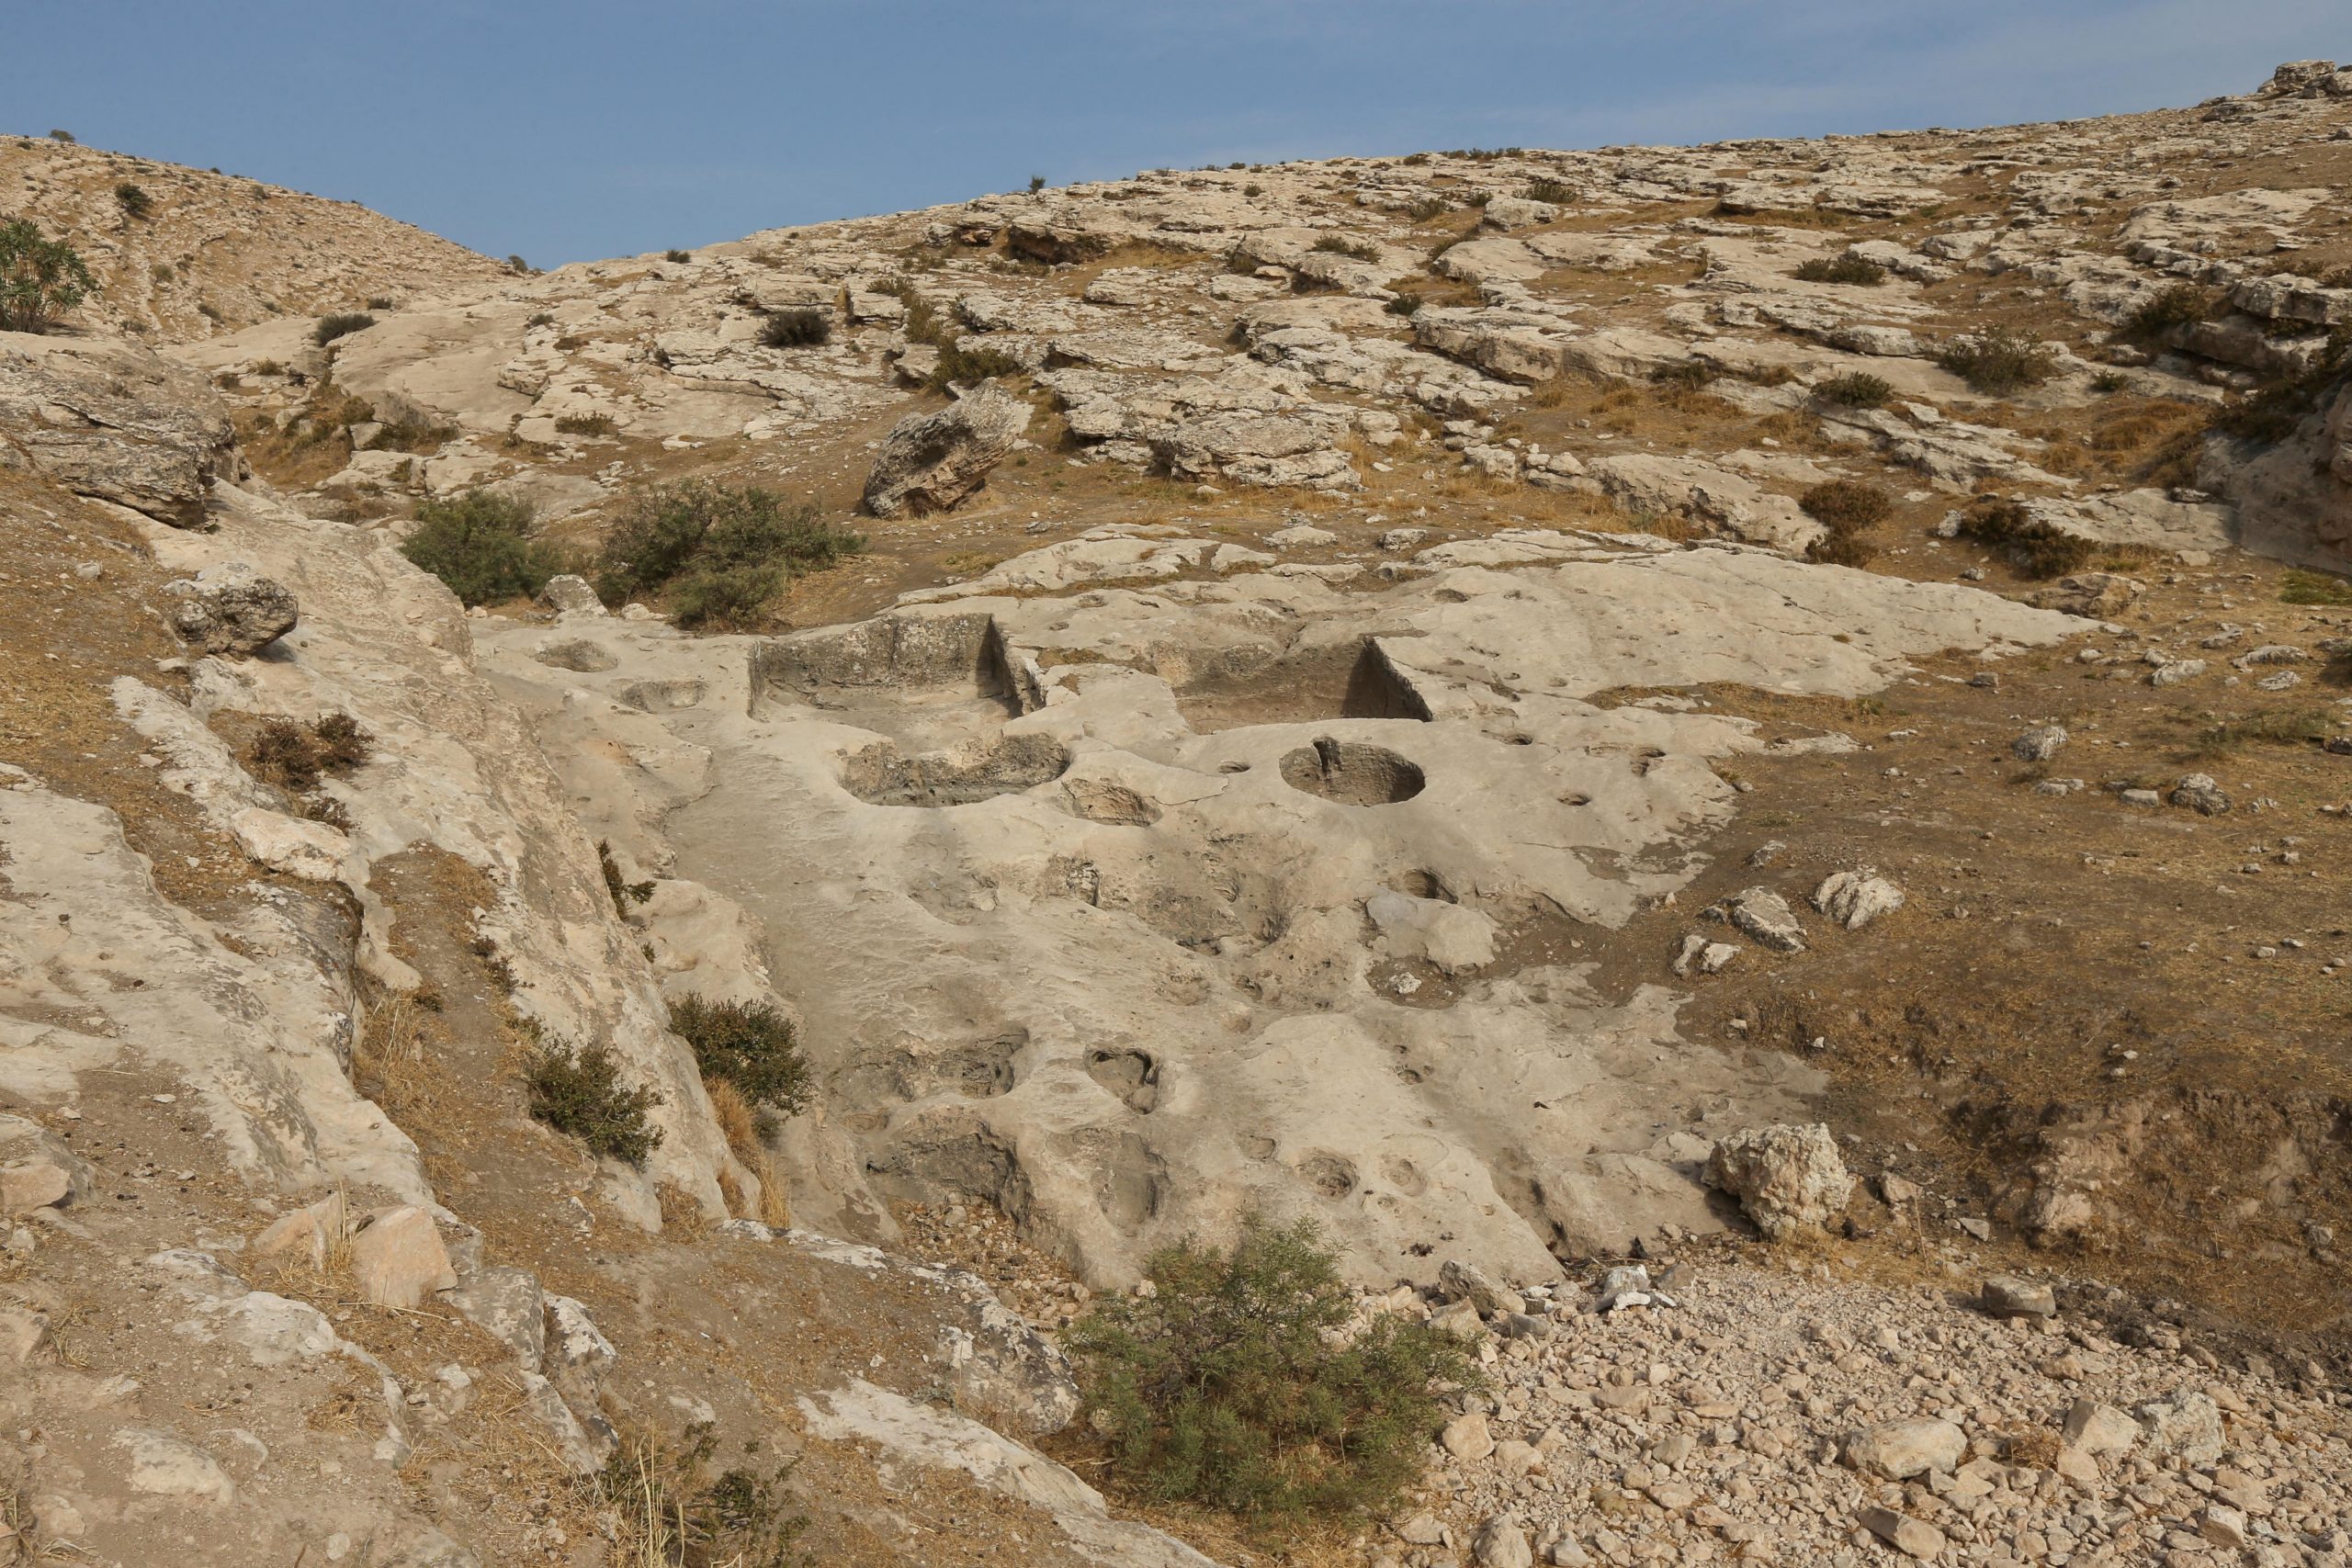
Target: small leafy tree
<point>480,544</point>
<point>750,1045</point>
<point>724,551</point>
<point>40,279</point>
<point>1232,1386</point>
<point>135,202</point>
<point>578,1090</point>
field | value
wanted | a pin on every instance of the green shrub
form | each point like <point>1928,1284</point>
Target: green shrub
<point>1428,207</point>
<point>1340,245</point>
<point>1405,305</point>
<point>1224,1387</point>
<point>578,1091</point>
<point>624,892</point>
<point>39,279</point>
<point>676,255</point>
<point>1845,269</point>
<point>480,544</point>
<point>2176,306</point>
<point>1845,507</point>
<point>1553,191</point>
<point>2303,587</point>
<point>340,324</point>
<point>65,136</point>
<point>1847,503</point>
<point>802,327</point>
<point>1855,390</point>
<point>517,263</point>
<point>962,365</point>
<point>723,551</point>
<point>135,202</point>
<point>2037,548</point>
<point>1998,362</point>
<point>1037,184</point>
<point>380,302</point>
<point>750,1045</point>
<point>1253,191</point>
<point>585,424</point>
<point>2109,381</point>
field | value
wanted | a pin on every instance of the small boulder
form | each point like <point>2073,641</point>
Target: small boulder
<point>1500,1543</point>
<point>36,1183</point>
<point>2095,1429</point>
<point>1467,1281</point>
<point>1900,1449</point>
<point>2183,1425</point>
<point>569,593</point>
<point>1785,1176</point>
<point>1855,898</point>
<point>311,1233</point>
<point>929,462</point>
<point>398,1260</point>
<point>1913,1538</point>
<point>229,609</point>
<point>2039,745</point>
<point>2200,794</point>
<point>2005,1295</point>
<point>1766,916</point>
<point>1467,1438</point>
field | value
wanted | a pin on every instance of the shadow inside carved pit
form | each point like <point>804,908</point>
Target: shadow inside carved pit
<point>1100,800</point>
<point>1132,1076</point>
<point>581,657</point>
<point>1228,688</point>
<point>1333,1175</point>
<point>661,696</point>
<point>1015,762</point>
<point>1351,773</point>
<point>977,1070</point>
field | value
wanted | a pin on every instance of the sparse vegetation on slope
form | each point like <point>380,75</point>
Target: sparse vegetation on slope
<point>1240,1384</point>
<point>802,327</point>
<point>40,279</point>
<point>722,553</point>
<point>748,1044</point>
<point>481,543</point>
<point>1998,362</point>
<point>1844,268</point>
<point>578,1090</point>
<point>342,323</point>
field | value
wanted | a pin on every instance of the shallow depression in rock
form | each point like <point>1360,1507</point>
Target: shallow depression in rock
<point>880,775</point>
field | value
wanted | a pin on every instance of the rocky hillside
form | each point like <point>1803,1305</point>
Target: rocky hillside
<point>185,253</point>
<point>1733,766</point>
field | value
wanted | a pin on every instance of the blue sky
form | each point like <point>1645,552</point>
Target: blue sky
<point>564,132</point>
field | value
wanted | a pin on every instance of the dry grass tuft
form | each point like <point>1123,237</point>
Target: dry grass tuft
<point>681,1213</point>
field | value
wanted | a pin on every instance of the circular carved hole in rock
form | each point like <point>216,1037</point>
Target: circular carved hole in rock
<point>1352,773</point>
<point>1330,1174</point>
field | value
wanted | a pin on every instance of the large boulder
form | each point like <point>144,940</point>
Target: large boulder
<point>1786,1178</point>
<point>229,608</point>
<point>929,462</point>
<point>113,420</point>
